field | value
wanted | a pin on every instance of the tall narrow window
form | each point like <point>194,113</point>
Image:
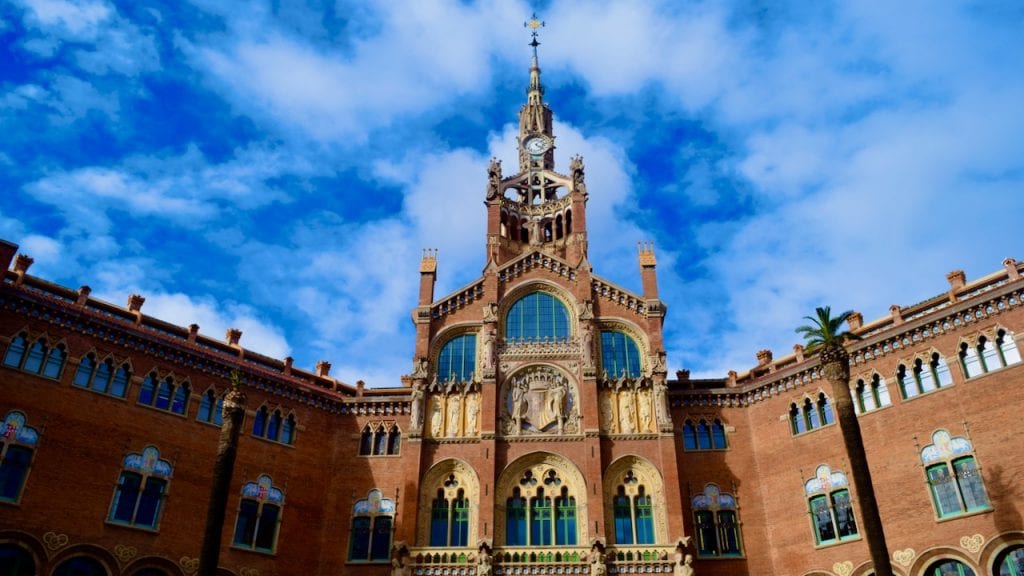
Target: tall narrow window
<point>288,430</point>
<point>1008,351</point>
<point>460,520</point>
<point>623,513</point>
<point>274,425</point>
<point>17,445</point>
<point>633,512</point>
<point>689,436</point>
<point>620,355</point>
<point>540,519</point>
<point>457,360</point>
<point>715,519</point>
<point>953,476</point>
<point>718,435</point>
<point>380,442</point>
<point>16,351</point>
<point>259,423</point>
<point>370,538</point>
<point>394,440</point>
<point>366,441</point>
<point>565,519</point>
<point>515,520</point>
<point>37,358</point>
<point>796,419</point>
<point>439,517</point>
<point>831,510</point>
<point>211,408</point>
<point>703,435</point>
<point>141,488</point>
<point>259,515</point>
<point>644,517</point>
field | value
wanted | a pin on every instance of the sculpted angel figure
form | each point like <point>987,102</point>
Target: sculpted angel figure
<point>416,414</point>
<point>493,178</point>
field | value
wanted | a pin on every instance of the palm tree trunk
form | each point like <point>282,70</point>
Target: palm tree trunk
<point>835,363</point>
<point>223,467</point>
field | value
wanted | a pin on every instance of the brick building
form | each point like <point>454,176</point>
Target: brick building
<point>538,431</point>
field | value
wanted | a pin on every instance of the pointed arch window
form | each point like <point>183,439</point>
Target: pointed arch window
<point>457,360</point>
<point>871,394</point>
<point>449,516</point>
<point>381,438</point>
<point>923,375</point>
<point>141,489</point>
<point>515,519</point>
<point>103,376</point>
<point>164,394</point>
<point>541,512</point>
<point>259,515</point>
<point>565,519</point>
<point>811,415</point>
<point>211,408</point>
<point>619,354</point>
<point>953,475</point>
<point>988,355</point>
<point>17,446</point>
<point>715,517</point>
<point>831,509</point>
<point>372,521</point>
<point>274,426</point>
<point>704,435</point>
<point>37,358</point>
<point>537,317</point>
<point>633,512</point>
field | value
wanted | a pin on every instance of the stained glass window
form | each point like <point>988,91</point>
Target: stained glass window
<point>259,514</point>
<point>715,520</point>
<point>953,476</point>
<point>138,498</point>
<point>372,520</point>
<point>17,444</point>
<point>537,317</point>
<point>515,520</point>
<point>830,507</point>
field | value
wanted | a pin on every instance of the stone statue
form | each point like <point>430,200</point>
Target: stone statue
<point>627,418</point>
<point>518,404</point>
<point>484,562</point>
<point>400,565</point>
<point>490,312</point>
<point>472,412</point>
<point>487,361</point>
<point>493,178</point>
<point>645,411</point>
<point>598,563</point>
<point>587,343</point>
<point>577,173</point>
<point>556,401</point>
<point>416,413</point>
<point>454,405</point>
<point>586,310</point>
<point>682,566</point>
<point>607,412</point>
<point>661,401</point>
<point>435,417</point>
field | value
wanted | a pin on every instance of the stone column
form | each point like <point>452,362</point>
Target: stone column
<point>223,467</point>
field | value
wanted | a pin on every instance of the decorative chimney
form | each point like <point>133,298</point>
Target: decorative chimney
<point>83,296</point>
<point>323,368</point>
<point>856,320</point>
<point>193,332</point>
<point>135,302</point>
<point>21,266</point>
<point>764,357</point>
<point>798,350</point>
<point>233,336</point>
<point>1011,268</point>
<point>957,279</point>
<point>7,252</point>
<point>897,314</point>
<point>288,365</point>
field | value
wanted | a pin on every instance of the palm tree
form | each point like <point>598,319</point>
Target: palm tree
<point>825,334</point>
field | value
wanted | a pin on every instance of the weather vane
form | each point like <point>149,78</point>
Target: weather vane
<point>534,24</point>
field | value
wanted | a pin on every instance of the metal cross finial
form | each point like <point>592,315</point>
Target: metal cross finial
<point>534,24</point>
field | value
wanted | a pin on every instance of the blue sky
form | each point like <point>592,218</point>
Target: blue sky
<point>278,167</point>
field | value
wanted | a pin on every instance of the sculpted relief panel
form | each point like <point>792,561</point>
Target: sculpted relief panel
<point>453,410</point>
<point>539,400</point>
<point>633,406</point>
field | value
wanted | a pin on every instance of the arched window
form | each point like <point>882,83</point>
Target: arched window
<point>949,568</point>
<point>541,511</point>
<point>449,517</point>
<point>718,435</point>
<point>394,440</point>
<point>103,376</point>
<point>871,394</point>
<point>16,561</point>
<point>568,222</point>
<point>80,566</point>
<point>537,317</point>
<point>831,510</point>
<point>141,489</point>
<point>559,231</point>
<point>457,360</point>
<point>689,435</point>
<point>39,358</point>
<point>211,408</point>
<point>164,395</point>
<point>633,512</point>
<point>274,426</point>
<point>988,355</point>
<point>619,354</point>
<point>703,435</point>
<point>810,415</point>
<point>366,441</point>
<point>923,376</point>
<point>17,445</point>
<point>515,519</point>
<point>288,430</point>
<point>717,527</point>
<point>953,475</point>
<point>565,519</point>
<point>513,228</point>
<point>380,442</point>
<point>504,225</point>
<point>259,423</point>
<point>372,520</point>
<point>1010,561</point>
<point>259,515</point>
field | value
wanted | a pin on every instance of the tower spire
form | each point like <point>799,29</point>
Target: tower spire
<point>535,116</point>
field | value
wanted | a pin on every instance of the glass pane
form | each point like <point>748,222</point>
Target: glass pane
<point>924,377</point>
<point>126,497</point>
<point>811,413</point>
<point>365,441</point>
<point>147,391</point>
<point>180,400</point>
<point>274,425</point>
<point>206,407</point>
<point>460,522</point>
<point>84,372</point>
<point>12,472</point>
<point>1011,354</point>
<point>623,520</point>
<point>944,490</point>
<point>458,359</point>
<point>149,503</point>
<point>54,363</point>
<point>718,435</point>
<point>707,537</point>
<point>267,528</point>
<point>989,355</point>
<point>845,522</point>
<point>565,521</point>
<point>821,515</point>
<point>120,385</point>
<point>826,411</point>
<point>163,395</point>
<point>619,355</point>
<point>1013,562</point>
<point>729,531</point>
<point>101,381</point>
<point>515,522</point>
<point>394,441</point>
<point>644,520</point>
<point>218,413</point>
<point>14,352</point>
<point>950,568</point>
<point>288,430</point>
<point>970,360</point>
<point>883,392</point>
<point>245,525</point>
<point>536,317</point>
<point>360,539</point>
<point>381,548</point>
<point>970,483</point>
<point>36,354</point>
<point>689,436</point>
<point>381,443</point>
<point>540,521</point>
<point>439,522</point>
<point>259,423</point>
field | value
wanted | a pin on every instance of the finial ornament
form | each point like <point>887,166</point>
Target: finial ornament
<point>534,24</point>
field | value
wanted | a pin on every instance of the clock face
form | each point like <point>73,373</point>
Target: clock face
<point>536,145</point>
